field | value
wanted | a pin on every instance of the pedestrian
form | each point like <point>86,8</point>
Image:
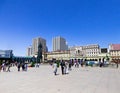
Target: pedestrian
<point>70,65</point>
<point>55,68</point>
<point>26,66</point>
<point>4,67</point>
<point>23,66</point>
<point>62,66</point>
<point>117,65</point>
<point>66,68</point>
<point>18,65</point>
<point>9,65</point>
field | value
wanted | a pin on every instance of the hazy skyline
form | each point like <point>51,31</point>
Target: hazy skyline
<point>80,22</point>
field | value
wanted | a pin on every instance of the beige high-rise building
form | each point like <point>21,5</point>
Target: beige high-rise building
<point>29,51</point>
<point>35,44</point>
<point>59,44</point>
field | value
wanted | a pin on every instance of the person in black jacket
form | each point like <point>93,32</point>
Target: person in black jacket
<point>62,67</point>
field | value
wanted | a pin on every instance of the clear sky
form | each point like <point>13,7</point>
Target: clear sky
<point>80,22</point>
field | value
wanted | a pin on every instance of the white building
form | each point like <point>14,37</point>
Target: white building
<point>91,50</point>
<point>85,52</point>
<point>59,44</point>
<point>76,52</point>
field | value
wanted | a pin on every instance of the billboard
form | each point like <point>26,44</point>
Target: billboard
<point>5,53</point>
<point>104,50</point>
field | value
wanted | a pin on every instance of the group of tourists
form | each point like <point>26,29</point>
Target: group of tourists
<point>66,66</point>
<point>22,65</point>
<point>5,66</point>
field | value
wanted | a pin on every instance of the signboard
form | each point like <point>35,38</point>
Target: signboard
<point>5,53</point>
<point>104,50</point>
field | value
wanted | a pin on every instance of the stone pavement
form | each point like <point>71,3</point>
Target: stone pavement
<point>79,80</point>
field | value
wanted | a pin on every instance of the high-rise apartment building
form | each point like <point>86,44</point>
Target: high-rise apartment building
<point>29,51</point>
<point>59,43</point>
<point>35,44</point>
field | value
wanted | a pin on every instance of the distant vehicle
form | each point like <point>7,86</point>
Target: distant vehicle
<point>91,63</point>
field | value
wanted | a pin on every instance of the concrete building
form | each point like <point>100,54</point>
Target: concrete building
<point>29,51</point>
<point>59,44</point>
<point>104,55</point>
<point>36,42</point>
<point>76,52</point>
<point>114,50</point>
<point>91,50</point>
<point>88,52</point>
<point>6,54</point>
<point>58,55</point>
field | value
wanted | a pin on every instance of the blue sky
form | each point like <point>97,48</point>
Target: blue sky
<point>80,22</point>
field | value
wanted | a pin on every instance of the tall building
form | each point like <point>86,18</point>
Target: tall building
<point>35,44</point>
<point>59,44</point>
<point>29,51</point>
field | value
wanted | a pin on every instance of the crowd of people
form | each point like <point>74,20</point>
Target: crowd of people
<point>65,65</point>
<point>5,66</point>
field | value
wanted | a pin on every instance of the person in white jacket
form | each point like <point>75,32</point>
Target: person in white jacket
<point>55,68</point>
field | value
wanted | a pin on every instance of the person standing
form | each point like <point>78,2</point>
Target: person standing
<point>62,67</point>
<point>26,66</point>
<point>4,67</point>
<point>18,66</point>
<point>117,64</point>
<point>66,67</point>
<point>70,65</point>
<point>55,68</point>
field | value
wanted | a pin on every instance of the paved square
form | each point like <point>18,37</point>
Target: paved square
<point>79,80</point>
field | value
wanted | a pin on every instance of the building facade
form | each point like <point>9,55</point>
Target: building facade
<point>91,50</point>
<point>6,54</point>
<point>59,44</point>
<point>29,51</point>
<point>35,44</point>
<point>88,52</point>
<point>76,52</point>
<point>114,51</point>
<point>58,55</point>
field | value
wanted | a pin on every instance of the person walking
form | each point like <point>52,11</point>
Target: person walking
<point>9,65</point>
